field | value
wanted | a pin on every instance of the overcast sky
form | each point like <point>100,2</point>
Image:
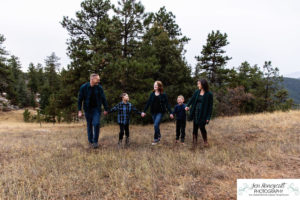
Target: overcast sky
<point>258,30</point>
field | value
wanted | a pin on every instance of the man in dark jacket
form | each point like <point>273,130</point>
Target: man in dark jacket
<point>92,96</point>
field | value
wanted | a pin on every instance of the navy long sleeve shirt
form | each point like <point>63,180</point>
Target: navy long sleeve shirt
<point>179,111</point>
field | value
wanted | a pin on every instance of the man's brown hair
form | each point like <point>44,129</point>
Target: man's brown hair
<point>93,75</point>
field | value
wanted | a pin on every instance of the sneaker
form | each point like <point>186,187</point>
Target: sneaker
<point>95,145</point>
<point>176,141</point>
<point>90,144</point>
<point>155,142</point>
<point>182,143</point>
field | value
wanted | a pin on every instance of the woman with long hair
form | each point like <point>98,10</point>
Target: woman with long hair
<point>158,102</point>
<point>201,109</point>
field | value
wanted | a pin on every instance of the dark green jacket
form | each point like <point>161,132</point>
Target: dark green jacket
<point>85,94</point>
<point>163,103</point>
<point>206,108</point>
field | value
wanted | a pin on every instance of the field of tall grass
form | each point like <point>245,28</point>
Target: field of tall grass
<point>55,161</point>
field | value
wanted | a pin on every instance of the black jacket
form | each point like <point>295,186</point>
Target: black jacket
<point>163,102</point>
<point>85,94</point>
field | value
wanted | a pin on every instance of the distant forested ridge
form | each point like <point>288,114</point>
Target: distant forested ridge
<point>293,87</point>
<point>130,49</point>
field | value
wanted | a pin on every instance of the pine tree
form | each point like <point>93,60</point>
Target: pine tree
<point>271,84</point>
<point>51,72</point>
<point>212,60</point>
<point>51,86</point>
<point>17,83</point>
<point>26,115</point>
<point>23,94</point>
<point>33,84</point>
<point>251,78</point>
<point>92,40</point>
<point>131,16</point>
<point>163,47</point>
<point>45,94</point>
<point>5,73</point>
<point>282,100</point>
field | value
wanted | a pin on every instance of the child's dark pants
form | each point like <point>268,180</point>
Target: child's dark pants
<point>180,129</point>
<point>124,128</point>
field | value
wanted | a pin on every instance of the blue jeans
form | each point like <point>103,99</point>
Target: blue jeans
<point>93,124</point>
<point>156,120</point>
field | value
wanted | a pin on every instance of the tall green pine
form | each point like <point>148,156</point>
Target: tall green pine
<point>213,60</point>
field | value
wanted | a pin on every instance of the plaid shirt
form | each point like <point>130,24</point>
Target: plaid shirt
<point>124,111</point>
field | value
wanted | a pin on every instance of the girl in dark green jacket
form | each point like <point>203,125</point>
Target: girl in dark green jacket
<point>201,110</point>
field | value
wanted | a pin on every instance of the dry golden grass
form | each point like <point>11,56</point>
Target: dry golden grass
<point>54,161</point>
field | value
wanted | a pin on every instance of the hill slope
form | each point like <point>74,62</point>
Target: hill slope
<point>293,87</point>
<point>294,75</point>
<point>54,161</point>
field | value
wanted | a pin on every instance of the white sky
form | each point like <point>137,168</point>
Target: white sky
<point>258,30</point>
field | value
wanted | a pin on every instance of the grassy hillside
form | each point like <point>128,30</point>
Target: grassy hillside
<point>293,87</point>
<point>54,161</point>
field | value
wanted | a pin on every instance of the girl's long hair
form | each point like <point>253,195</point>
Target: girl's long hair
<point>160,86</point>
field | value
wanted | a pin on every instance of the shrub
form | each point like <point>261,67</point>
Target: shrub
<point>26,115</point>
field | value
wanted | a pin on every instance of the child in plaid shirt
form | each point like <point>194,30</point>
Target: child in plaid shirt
<point>124,109</point>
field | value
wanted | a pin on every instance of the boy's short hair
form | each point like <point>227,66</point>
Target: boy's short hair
<point>123,94</point>
<point>180,96</point>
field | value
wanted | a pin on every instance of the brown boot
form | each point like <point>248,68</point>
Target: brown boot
<point>206,144</point>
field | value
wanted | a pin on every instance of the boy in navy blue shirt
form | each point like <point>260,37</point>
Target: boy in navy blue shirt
<point>179,111</point>
<point>124,109</point>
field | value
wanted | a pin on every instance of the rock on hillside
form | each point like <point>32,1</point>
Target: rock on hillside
<point>5,104</point>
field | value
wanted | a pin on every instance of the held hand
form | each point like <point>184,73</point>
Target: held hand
<point>105,112</point>
<point>187,108</point>
<point>207,121</point>
<point>79,114</point>
<point>143,114</point>
<point>172,116</point>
